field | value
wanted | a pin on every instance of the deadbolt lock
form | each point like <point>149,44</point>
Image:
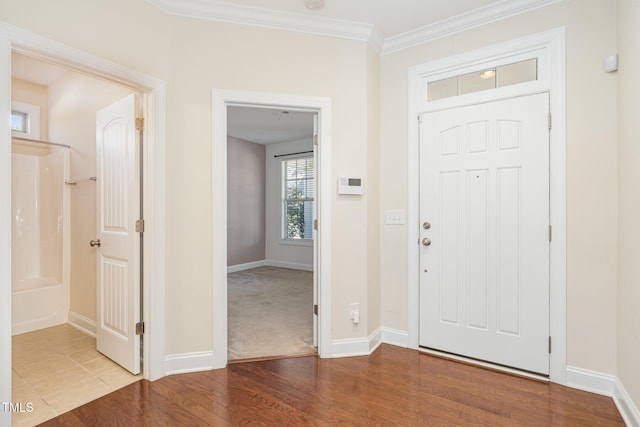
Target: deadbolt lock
<point>426,225</point>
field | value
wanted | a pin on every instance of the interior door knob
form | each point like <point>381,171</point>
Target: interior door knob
<point>426,241</point>
<point>94,243</point>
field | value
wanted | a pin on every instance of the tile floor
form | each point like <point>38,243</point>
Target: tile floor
<point>58,369</point>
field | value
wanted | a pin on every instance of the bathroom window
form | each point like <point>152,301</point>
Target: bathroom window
<point>25,120</point>
<point>19,120</point>
<point>298,186</point>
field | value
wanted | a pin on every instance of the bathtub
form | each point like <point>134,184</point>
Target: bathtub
<point>36,303</point>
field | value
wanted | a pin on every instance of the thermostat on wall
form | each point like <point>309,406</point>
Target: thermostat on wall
<point>350,185</point>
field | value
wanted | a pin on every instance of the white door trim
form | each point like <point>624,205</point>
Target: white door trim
<point>15,38</point>
<point>221,99</point>
<point>549,48</point>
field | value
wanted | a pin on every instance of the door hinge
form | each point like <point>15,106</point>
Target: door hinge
<point>140,226</point>
<point>315,309</point>
<point>550,121</point>
<point>139,123</point>
<point>315,139</point>
<point>419,119</point>
<point>139,328</point>
<point>315,224</point>
<point>550,233</point>
<point>549,345</point>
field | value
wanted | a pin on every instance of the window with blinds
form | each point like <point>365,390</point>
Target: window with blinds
<point>298,198</point>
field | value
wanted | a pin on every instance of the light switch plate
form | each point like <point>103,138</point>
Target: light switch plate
<point>395,217</point>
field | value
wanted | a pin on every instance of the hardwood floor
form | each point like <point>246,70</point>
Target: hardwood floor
<point>393,387</point>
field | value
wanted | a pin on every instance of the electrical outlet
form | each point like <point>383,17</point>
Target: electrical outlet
<point>395,217</point>
<point>354,312</point>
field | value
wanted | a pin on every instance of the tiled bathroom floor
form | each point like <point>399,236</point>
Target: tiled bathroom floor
<point>58,369</point>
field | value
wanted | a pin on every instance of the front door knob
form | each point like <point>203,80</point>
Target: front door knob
<point>94,243</point>
<point>426,241</point>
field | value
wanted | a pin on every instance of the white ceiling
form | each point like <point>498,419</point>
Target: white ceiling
<point>268,126</point>
<point>387,26</point>
<point>34,71</point>
<point>389,17</point>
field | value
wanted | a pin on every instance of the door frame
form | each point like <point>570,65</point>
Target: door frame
<point>16,39</point>
<point>221,99</point>
<point>549,49</point>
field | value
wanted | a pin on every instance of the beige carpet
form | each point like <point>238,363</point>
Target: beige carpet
<point>270,313</point>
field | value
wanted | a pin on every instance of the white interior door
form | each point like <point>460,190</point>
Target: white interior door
<point>484,190</point>
<point>118,256</point>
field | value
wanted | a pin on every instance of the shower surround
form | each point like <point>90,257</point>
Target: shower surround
<point>39,239</point>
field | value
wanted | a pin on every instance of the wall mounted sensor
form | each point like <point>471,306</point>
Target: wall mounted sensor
<point>611,63</point>
<point>350,185</point>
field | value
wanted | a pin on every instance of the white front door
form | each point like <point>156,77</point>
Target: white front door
<point>118,256</point>
<point>484,206</point>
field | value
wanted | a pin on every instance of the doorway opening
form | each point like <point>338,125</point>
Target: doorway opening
<point>54,246</point>
<point>271,196</point>
<point>290,212</point>
<point>16,40</point>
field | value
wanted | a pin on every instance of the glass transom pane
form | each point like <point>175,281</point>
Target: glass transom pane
<point>491,78</point>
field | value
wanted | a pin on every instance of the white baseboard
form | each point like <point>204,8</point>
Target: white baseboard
<point>628,410</point>
<point>268,263</point>
<point>395,337</point>
<point>607,385</point>
<point>188,362</point>
<point>366,346</point>
<point>291,265</point>
<point>591,381</point>
<point>350,347</point>
<point>82,323</point>
<point>246,266</point>
<point>375,340</point>
<point>356,346</point>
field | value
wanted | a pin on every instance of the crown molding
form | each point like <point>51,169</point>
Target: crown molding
<point>223,11</point>
<point>216,10</point>
<point>462,22</point>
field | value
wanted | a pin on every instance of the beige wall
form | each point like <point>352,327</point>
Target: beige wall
<point>629,197</point>
<point>74,100</point>
<point>266,61</point>
<point>245,201</point>
<point>194,56</point>
<point>591,168</point>
<point>372,190</point>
